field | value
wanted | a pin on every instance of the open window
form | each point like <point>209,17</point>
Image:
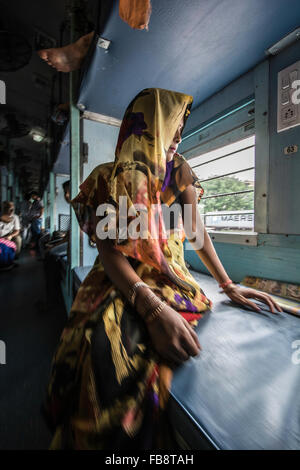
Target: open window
<point>222,154</point>
<point>227,176</point>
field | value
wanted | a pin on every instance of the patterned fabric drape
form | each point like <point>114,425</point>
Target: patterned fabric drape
<point>108,387</point>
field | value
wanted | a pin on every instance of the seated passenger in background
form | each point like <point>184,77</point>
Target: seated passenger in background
<point>10,225</point>
<point>25,207</point>
<point>35,215</point>
<point>7,254</point>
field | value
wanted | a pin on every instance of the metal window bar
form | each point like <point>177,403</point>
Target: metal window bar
<point>227,174</point>
<point>228,194</point>
<point>214,121</point>
<point>232,212</point>
<point>64,222</point>
<point>223,156</point>
<point>205,141</point>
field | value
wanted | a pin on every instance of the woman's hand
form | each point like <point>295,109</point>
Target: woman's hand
<point>240,295</point>
<point>172,336</point>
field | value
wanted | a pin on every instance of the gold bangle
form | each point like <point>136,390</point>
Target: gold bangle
<point>152,315</point>
<point>133,291</point>
<point>150,302</point>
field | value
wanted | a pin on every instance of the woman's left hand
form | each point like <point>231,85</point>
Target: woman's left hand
<point>240,295</point>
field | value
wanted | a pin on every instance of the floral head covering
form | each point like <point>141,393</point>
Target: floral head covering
<point>148,128</point>
<point>137,175</point>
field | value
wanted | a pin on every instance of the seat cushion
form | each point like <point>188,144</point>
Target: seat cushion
<point>242,391</point>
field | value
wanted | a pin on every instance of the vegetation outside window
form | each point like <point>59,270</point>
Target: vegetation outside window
<point>227,176</point>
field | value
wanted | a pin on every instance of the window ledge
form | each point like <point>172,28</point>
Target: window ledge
<point>238,238</point>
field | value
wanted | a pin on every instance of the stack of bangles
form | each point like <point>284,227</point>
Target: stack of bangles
<point>223,285</point>
<point>153,305</point>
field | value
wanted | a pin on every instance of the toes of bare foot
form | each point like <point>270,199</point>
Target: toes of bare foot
<point>43,53</point>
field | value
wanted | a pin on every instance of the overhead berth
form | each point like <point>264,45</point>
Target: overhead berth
<point>242,391</point>
<point>189,48</point>
<point>62,163</point>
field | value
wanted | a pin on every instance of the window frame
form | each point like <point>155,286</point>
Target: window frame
<point>234,236</point>
<point>230,127</point>
<point>239,236</point>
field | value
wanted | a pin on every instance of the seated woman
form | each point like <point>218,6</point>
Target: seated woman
<point>10,225</point>
<point>35,216</point>
<point>7,254</point>
<point>132,320</point>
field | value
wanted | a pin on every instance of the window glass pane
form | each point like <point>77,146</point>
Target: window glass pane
<point>237,161</point>
<point>230,221</point>
<point>222,211</point>
<point>236,146</point>
<point>243,181</point>
<point>238,215</point>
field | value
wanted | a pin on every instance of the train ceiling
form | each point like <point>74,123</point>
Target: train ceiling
<point>193,46</point>
<point>32,87</point>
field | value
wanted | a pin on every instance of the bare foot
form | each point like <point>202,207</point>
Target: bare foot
<point>67,58</point>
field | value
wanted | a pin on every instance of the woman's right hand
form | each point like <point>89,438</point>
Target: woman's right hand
<point>172,336</point>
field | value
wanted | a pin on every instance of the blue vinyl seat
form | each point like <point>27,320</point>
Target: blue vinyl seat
<point>242,391</point>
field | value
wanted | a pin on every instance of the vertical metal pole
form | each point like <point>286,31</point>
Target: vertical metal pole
<point>9,176</point>
<point>45,207</point>
<point>17,200</point>
<point>52,200</point>
<point>74,162</point>
<point>10,186</point>
<point>6,198</point>
<point>3,185</point>
<point>74,157</point>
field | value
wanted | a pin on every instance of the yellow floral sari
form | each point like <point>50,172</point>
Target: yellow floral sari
<point>108,388</point>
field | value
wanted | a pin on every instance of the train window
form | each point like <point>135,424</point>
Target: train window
<point>227,176</point>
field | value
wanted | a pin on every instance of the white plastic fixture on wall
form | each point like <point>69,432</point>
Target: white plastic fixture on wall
<point>288,97</point>
<point>2,352</point>
<point>2,92</point>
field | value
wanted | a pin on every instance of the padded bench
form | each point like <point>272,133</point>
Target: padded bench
<point>243,390</point>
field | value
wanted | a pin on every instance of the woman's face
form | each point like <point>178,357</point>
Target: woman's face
<point>176,141</point>
<point>10,209</point>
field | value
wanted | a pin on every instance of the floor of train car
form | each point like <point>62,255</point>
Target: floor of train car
<point>30,331</point>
